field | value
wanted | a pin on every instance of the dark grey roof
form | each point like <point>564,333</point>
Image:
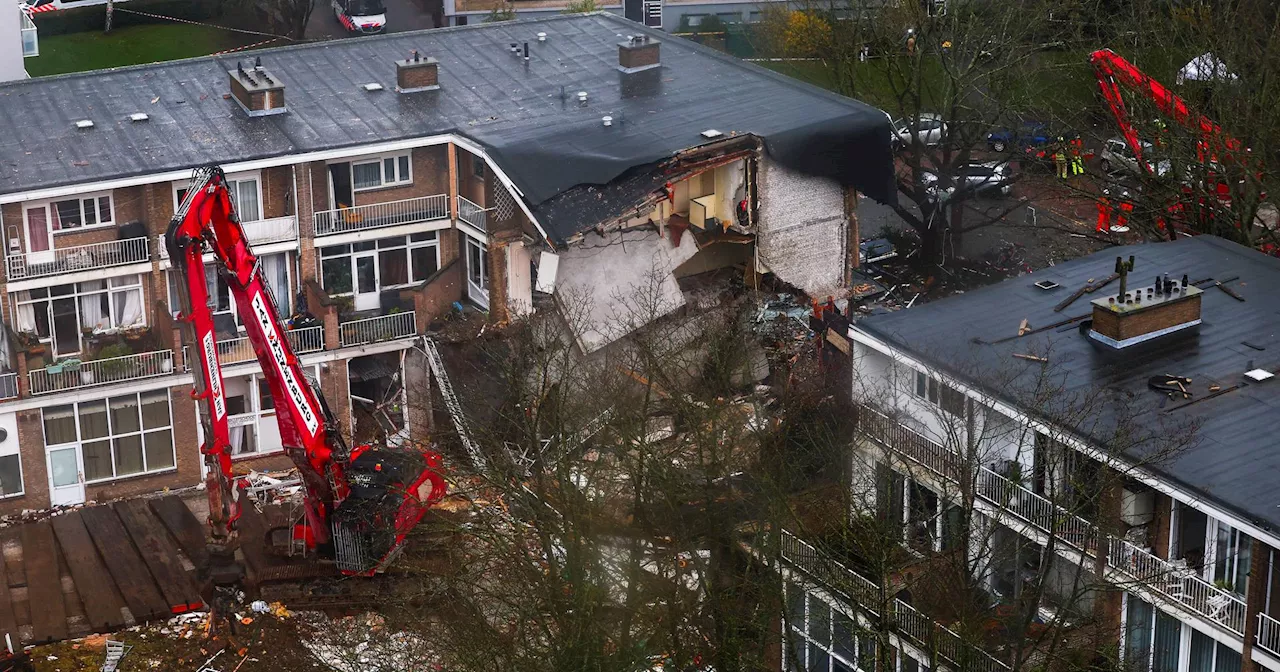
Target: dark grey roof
<point>545,142</point>
<point>1234,460</point>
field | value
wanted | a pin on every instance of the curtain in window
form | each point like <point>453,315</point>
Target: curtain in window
<point>128,306</point>
<point>393,267</point>
<point>275,272</point>
<point>1201,652</point>
<point>1137,636</point>
<point>27,316</point>
<point>93,315</point>
<point>124,415</point>
<point>245,193</point>
<point>1228,660</point>
<point>1168,629</point>
<point>37,229</point>
<point>128,451</point>
<point>367,175</point>
<point>59,425</point>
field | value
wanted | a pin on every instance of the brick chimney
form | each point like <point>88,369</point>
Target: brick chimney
<point>637,54</point>
<point>257,91</point>
<point>417,73</point>
<point>1138,315</point>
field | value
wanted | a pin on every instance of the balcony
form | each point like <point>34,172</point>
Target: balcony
<point>906,620</point>
<point>1268,634</point>
<point>378,215</point>
<point>79,258</point>
<point>473,214</point>
<point>30,36</point>
<point>377,329</point>
<point>240,350</point>
<point>8,386</point>
<point>76,375</point>
<point>1125,563</point>
<point>260,232</point>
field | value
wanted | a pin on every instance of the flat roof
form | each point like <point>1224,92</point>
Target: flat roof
<point>1233,459</point>
<point>526,116</point>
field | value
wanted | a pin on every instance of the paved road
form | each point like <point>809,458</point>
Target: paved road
<point>402,15</point>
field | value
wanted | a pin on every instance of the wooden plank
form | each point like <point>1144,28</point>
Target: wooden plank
<point>160,555</point>
<point>184,527</point>
<point>253,540</point>
<point>98,593</point>
<point>8,617</point>
<point>44,585</point>
<point>124,563</point>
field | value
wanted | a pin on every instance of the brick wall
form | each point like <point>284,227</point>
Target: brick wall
<point>1121,326</point>
<point>430,177</point>
<point>417,381</point>
<point>1158,532</point>
<point>186,447</point>
<point>802,229</point>
<point>499,311</point>
<point>313,196</point>
<point>471,187</point>
<point>436,297</point>
<point>35,472</point>
<point>277,192</point>
<point>333,384</point>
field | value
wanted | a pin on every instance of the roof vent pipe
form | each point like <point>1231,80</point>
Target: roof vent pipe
<point>582,97</point>
<point>542,37</point>
<point>526,52</point>
<point>606,120</point>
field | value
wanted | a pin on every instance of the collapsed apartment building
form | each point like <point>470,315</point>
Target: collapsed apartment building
<point>386,183</point>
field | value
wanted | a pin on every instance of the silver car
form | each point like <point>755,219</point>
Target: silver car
<point>1117,156</point>
<point>929,130</point>
<point>973,178</point>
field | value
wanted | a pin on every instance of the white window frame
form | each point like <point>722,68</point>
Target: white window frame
<point>50,214</point>
<point>141,433</point>
<point>75,295</point>
<point>233,186</point>
<point>801,630</point>
<point>409,246</point>
<point>171,280</point>
<point>396,179</point>
<point>254,417</point>
<point>936,387</point>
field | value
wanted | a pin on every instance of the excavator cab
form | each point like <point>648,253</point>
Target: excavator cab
<point>389,491</point>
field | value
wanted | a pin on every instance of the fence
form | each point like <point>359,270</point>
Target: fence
<point>79,258</point>
<point>362,217</point>
<point>375,329</point>
<point>73,375</point>
<point>8,385</point>
<point>473,214</point>
<point>240,350</point>
<point>1268,634</point>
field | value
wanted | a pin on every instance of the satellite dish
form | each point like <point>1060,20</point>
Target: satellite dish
<point>4,434</point>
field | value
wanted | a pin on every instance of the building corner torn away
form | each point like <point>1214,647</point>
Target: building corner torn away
<point>802,232</point>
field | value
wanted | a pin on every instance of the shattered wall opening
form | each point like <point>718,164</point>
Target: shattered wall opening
<point>803,230</point>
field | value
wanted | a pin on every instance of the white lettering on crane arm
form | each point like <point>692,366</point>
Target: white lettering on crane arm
<point>292,386</point>
<point>215,378</point>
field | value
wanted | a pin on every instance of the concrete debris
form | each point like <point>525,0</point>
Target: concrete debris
<point>364,644</point>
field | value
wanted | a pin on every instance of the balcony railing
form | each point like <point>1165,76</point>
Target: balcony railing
<point>8,385</point>
<point>274,230</point>
<point>1126,563</point>
<point>376,329</point>
<point>473,214</point>
<point>904,619</point>
<point>75,375</point>
<point>30,36</point>
<point>79,258</point>
<point>377,215</point>
<point>1268,634</point>
<point>240,350</point>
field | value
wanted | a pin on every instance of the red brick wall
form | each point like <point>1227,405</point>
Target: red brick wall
<point>333,384</point>
<point>277,190</point>
<point>1121,326</point>
<point>35,472</point>
<point>471,187</point>
<point>435,298</point>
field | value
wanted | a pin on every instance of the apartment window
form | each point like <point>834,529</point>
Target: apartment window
<point>10,470</point>
<point>477,264</point>
<point>246,196</point>
<point>730,17</point>
<point>477,166</point>
<point>1210,656</point>
<point>62,314</point>
<point>1231,556</point>
<point>81,212</point>
<point>119,436</point>
<point>251,416</point>
<point>401,261</point>
<point>824,639</point>
<point>939,394</point>
<point>694,20</point>
<point>753,17</point>
<point>387,171</point>
<point>275,274</point>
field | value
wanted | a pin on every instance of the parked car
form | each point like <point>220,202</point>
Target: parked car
<point>929,130</point>
<point>1116,155</point>
<point>974,179</point>
<point>1025,135</point>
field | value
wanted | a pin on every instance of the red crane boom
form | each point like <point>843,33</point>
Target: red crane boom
<point>358,505</point>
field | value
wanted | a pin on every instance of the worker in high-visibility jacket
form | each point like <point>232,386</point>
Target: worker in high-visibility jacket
<point>1077,156</point>
<point>1104,213</point>
<point>1121,224</point>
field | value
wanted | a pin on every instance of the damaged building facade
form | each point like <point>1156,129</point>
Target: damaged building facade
<point>387,183</point>
<point>1113,439</point>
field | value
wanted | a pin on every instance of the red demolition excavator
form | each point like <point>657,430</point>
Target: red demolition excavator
<point>1221,159</point>
<point>359,504</point>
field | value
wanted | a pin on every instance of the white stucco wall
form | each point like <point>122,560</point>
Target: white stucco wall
<point>802,229</point>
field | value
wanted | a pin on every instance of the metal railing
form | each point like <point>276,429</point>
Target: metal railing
<point>1126,563</point>
<point>361,217</point>
<point>904,619</point>
<point>74,375</point>
<point>273,230</point>
<point>375,329</point>
<point>473,214</point>
<point>79,258</point>
<point>1268,634</point>
<point>240,350</point>
<point>30,35</point>
<point>8,385</point>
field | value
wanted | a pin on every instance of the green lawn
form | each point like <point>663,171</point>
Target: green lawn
<point>129,45</point>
